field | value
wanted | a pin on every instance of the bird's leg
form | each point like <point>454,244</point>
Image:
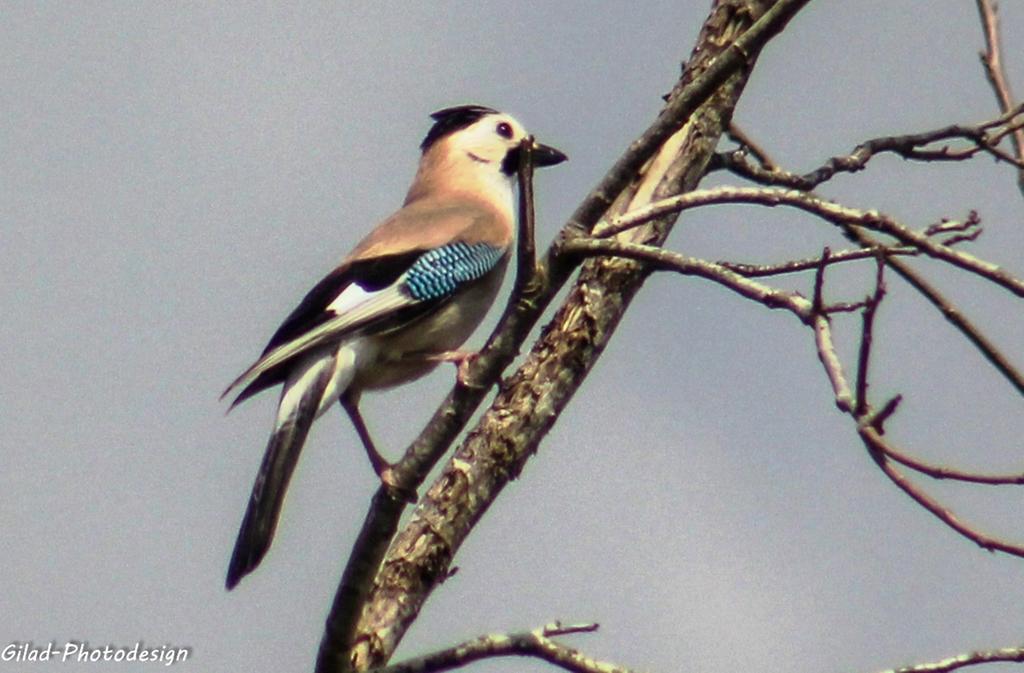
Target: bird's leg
<point>350,403</point>
<point>463,360</point>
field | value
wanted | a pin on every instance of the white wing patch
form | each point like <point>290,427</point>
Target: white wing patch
<point>351,296</point>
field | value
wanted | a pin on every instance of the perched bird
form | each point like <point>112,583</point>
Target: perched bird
<point>402,301</point>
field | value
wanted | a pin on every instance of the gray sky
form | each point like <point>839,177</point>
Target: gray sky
<point>174,178</point>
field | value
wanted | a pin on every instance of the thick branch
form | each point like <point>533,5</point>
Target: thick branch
<point>695,90</point>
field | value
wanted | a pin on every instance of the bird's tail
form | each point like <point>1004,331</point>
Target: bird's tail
<point>300,404</point>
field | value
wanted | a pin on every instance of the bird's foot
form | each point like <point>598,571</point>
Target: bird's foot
<point>463,360</point>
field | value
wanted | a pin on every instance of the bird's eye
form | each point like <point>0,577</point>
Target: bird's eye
<point>504,130</point>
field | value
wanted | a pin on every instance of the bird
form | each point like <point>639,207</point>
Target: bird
<point>402,301</point>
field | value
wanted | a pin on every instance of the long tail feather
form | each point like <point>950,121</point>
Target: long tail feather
<point>300,403</point>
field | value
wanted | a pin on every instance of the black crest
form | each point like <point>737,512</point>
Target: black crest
<point>450,120</point>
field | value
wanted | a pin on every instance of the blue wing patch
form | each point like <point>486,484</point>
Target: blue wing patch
<point>438,273</point>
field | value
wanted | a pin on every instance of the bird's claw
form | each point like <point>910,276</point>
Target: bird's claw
<point>463,361</point>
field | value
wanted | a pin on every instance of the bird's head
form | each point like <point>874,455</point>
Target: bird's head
<point>483,138</point>
<point>474,150</point>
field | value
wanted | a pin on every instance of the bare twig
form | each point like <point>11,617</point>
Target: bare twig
<point>845,306</point>
<point>817,303</point>
<point>963,231</point>
<point>832,212</point>
<point>813,313</point>
<point>755,150</point>
<point>952,314</point>
<point>798,265</point>
<point>537,643</point>
<point>880,450</point>
<point>823,339</point>
<point>942,472</point>
<point>984,137</point>
<point>877,419</point>
<point>1007,654</point>
<point>992,61</point>
<point>866,339</point>
<point>870,423</point>
<point>667,260</point>
<point>833,366</point>
<point>526,259</point>
<point>968,225</point>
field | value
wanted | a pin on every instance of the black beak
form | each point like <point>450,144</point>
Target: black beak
<point>545,155</point>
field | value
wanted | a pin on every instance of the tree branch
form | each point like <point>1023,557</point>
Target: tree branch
<point>738,136</point>
<point>667,260</point>
<point>827,210</point>
<point>983,137</point>
<point>526,254</point>
<point>951,313</point>
<point>869,422</point>
<point>537,643</point>
<point>867,339</point>
<point>992,62</point>
<point>798,265</point>
<point>813,313</point>
<point>880,449</point>
<point>1008,655</point>
<point>942,472</point>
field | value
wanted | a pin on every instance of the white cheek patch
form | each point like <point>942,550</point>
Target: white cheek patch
<point>351,296</point>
